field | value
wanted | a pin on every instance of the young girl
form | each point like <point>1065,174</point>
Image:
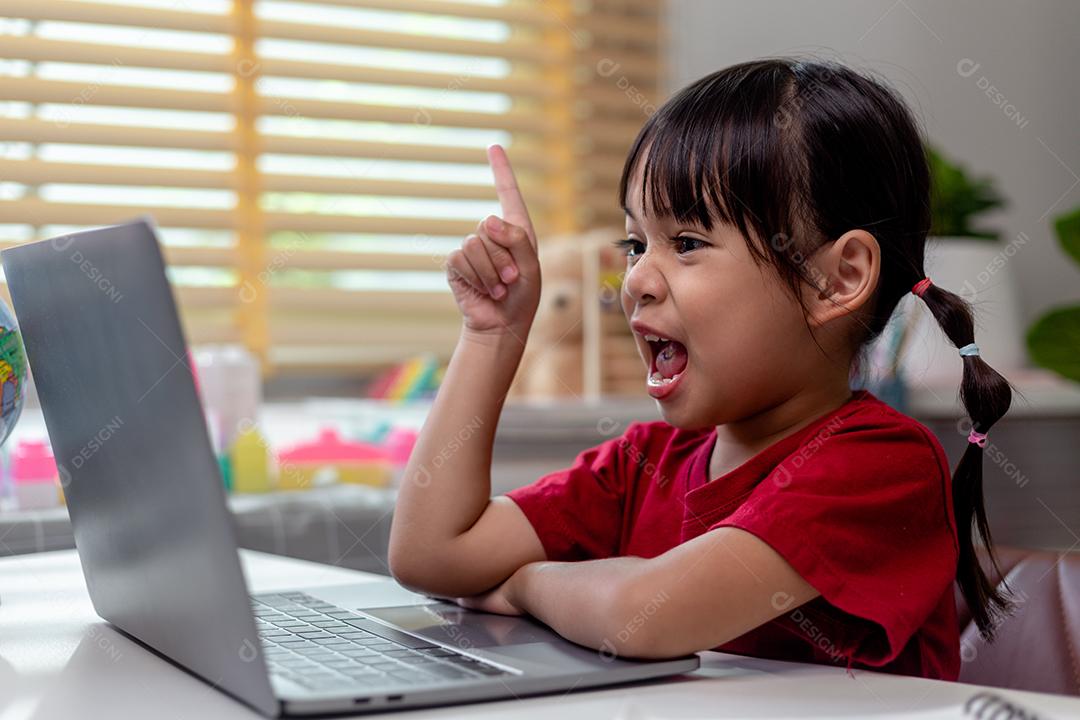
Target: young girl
<point>776,212</point>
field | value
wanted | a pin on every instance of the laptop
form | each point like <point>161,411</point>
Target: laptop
<point>158,545</point>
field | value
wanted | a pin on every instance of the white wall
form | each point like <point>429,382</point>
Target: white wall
<point>1028,50</point>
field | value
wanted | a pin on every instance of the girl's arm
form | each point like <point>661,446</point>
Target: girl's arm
<point>694,597</point>
<point>448,537</point>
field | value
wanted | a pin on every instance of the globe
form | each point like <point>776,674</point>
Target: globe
<point>12,372</point>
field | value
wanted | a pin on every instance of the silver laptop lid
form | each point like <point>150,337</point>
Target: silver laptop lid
<point>147,506</point>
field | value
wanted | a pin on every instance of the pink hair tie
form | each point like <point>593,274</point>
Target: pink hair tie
<point>977,437</point>
<point>921,286</point>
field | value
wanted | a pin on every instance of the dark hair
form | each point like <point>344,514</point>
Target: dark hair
<point>794,153</point>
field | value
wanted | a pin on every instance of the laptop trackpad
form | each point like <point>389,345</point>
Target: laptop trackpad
<point>455,626</point>
<point>521,642</point>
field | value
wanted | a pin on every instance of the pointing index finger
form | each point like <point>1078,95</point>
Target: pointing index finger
<point>506,187</point>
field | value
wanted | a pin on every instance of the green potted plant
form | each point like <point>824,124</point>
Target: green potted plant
<point>1054,340</point>
<point>972,260</point>
<point>957,199</point>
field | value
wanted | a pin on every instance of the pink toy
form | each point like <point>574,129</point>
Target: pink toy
<point>34,475</point>
<point>330,459</point>
<point>399,444</point>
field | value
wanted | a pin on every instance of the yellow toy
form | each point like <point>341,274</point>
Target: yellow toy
<point>250,463</point>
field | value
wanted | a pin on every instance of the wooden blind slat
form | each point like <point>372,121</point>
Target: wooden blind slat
<point>315,331</point>
<point>617,28</point>
<point>516,13</point>
<point>290,299</point>
<point>133,16</point>
<point>525,158</point>
<point>35,90</point>
<point>331,110</point>
<point>35,130</point>
<point>113,14</point>
<point>311,222</point>
<point>34,211</point>
<point>39,172</point>
<point>294,259</point>
<point>339,35</point>
<point>643,9</point>
<point>347,185</point>
<point>206,297</point>
<point>40,49</point>
<point>520,86</point>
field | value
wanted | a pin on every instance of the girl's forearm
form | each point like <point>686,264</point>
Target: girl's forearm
<point>687,599</point>
<point>590,602</point>
<point>447,481</point>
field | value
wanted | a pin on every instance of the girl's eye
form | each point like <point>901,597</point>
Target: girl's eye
<point>684,244</point>
<point>631,247</point>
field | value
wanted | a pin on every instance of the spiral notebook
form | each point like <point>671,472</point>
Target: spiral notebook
<point>980,706</point>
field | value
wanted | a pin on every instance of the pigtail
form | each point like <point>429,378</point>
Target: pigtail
<point>986,397</point>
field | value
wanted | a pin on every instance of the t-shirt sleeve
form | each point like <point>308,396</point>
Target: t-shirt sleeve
<point>577,512</point>
<point>863,516</point>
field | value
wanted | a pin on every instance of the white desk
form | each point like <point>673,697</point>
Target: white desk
<point>59,660</point>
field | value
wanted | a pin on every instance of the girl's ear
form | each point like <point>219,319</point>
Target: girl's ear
<point>848,269</point>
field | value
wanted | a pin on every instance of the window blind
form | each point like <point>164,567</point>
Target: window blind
<point>310,164</point>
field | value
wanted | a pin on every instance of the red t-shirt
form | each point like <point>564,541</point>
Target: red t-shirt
<point>858,502</point>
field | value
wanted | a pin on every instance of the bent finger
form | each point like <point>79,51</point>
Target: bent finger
<point>515,240</point>
<point>477,255</point>
<point>459,271</point>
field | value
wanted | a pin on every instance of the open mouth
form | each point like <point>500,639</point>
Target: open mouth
<point>667,363</point>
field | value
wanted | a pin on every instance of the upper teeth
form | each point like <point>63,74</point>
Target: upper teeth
<point>655,338</point>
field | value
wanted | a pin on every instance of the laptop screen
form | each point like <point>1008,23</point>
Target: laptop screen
<point>147,506</point>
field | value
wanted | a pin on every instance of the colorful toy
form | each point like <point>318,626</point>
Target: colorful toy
<point>225,466</point>
<point>410,380</point>
<point>249,461</point>
<point>34,475</point>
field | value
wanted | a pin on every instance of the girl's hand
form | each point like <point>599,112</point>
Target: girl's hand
<point>498,600</point>
<point>495,274</point>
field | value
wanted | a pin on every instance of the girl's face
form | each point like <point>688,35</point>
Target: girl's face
<point>732,340</point>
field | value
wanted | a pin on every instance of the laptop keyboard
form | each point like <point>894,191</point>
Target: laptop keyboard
<point>322,646</point>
